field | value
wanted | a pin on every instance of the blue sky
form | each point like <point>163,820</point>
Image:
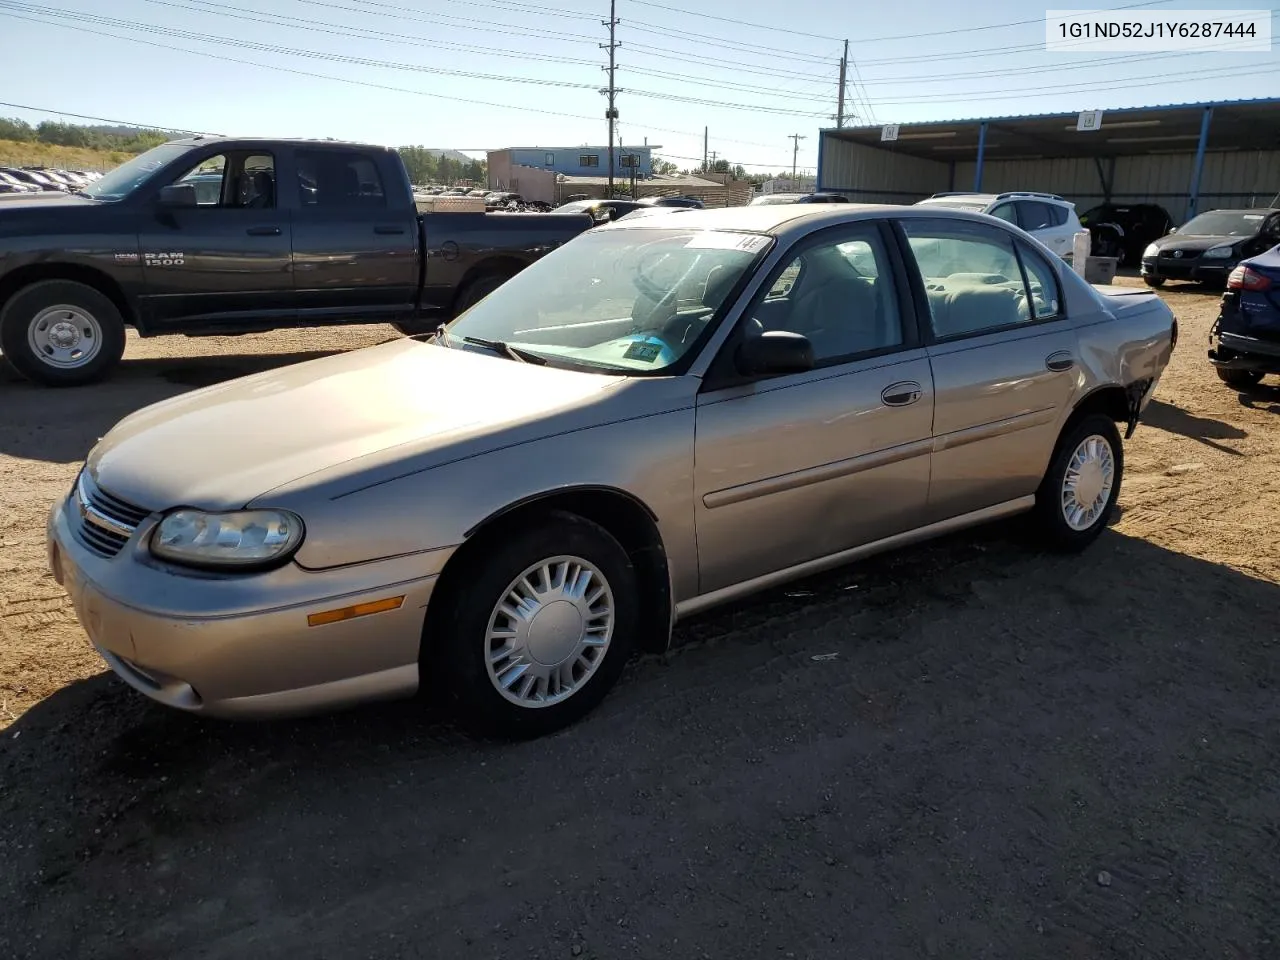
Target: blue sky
<point>396,71</point>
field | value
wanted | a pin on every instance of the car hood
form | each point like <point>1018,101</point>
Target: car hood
<point>220,447</point>
<point>1194,243</point>
<point>16,202</point>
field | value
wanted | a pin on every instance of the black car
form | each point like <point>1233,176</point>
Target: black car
<point>823,198</point>
<point>1124,230</point>
<point>601,211</point>
<point>692,203</point>
<point>1208,247</point>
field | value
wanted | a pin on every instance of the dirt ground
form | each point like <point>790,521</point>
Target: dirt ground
<point>965,749</point>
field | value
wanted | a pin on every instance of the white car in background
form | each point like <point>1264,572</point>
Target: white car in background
<point>1046,216</point>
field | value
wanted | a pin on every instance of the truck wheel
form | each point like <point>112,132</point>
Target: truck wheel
<point>477,290</point>
<point>1240,379</point>
<point>61,333</point>
<point>1154,281</point>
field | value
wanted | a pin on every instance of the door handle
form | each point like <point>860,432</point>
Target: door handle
<point>388,228</point>
<point>1057,362</point>
<point>901,394</point>
<point>263,231</point>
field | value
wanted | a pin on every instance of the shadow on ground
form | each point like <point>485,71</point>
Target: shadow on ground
<point>960,749</point>
<point>61,425</point>
<point>1173,419</point>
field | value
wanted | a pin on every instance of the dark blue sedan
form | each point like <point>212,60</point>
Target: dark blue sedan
<point>1244,344</point>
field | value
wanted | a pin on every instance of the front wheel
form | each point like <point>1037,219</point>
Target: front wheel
<point>538,628</point>
<point>61,333</point>
<point>477,290</point>
<point>1082,484</point>
<point>1153,281</point>
<point>1240,379</point>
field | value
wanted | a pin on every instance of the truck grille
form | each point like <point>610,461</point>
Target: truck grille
<point>101,522</point>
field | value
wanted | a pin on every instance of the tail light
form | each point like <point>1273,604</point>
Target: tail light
<point>1242,278</point>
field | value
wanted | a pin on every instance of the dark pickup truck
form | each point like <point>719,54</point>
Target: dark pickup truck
<point>211,235</point>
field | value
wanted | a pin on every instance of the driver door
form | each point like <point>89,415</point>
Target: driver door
<point>230,256</point>
<point>800,466</point>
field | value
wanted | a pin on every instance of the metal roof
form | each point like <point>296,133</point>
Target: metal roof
<point>1173,128</point>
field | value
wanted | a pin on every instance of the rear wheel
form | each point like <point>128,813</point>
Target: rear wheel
<point>538,628</point>
<point>1082,484</point>
<point>1240,379</point>
<point>1154,281</point>
<point>477,290</point>
<point>61,333</point>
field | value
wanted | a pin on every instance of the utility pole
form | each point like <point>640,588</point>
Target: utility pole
<point>611,114</point>
<point>704,148</point>
<point>796,138</point>
<point>713,162</point>
<point>844,68</point>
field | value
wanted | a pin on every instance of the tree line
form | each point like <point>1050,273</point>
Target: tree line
<point>75,135</point>
<point>434,166</point>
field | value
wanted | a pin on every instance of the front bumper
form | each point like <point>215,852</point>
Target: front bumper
<point>1199,270</point>
<point>240,645</point>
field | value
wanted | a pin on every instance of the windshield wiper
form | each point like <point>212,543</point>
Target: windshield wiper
<point>507,350</point>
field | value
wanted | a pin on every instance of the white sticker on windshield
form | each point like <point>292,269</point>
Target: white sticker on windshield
<point>724,240</point>
<point>1253,216</point>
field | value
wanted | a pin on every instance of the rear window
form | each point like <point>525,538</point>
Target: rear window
<point>338,178</point>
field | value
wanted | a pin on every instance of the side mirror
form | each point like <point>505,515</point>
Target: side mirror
<point>775,352</point>
<point>178,195</point>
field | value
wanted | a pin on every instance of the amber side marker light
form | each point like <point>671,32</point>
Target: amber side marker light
<point>350,613</point>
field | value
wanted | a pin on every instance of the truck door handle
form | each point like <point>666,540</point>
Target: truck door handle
<point>901,394</point>
<point>263,231</point>
<point>388,228</point>
<point>1057,362</point>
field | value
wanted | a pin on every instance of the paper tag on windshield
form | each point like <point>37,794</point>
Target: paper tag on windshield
<point>724,240</point>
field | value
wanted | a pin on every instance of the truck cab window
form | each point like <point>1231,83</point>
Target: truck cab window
<point>338,178</point>
<point>244,181</point>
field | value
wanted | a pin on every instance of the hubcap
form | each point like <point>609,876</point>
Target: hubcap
<point>64,336</point>
<point>549,632</point>
<point>1087,484</point>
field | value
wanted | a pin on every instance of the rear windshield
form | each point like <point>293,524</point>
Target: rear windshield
<point>973,206</point>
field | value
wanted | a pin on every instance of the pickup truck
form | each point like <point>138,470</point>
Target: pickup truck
<point>212,236</point>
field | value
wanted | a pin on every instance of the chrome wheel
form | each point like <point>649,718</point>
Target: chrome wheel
<point>64,336</point>
<point>1087,482</point>
<point>550,631</point>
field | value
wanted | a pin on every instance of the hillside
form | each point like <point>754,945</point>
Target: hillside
<point>29,153</point>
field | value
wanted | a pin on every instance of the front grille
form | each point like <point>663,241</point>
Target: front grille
<point>102,522</point>
<point>1182,256</point>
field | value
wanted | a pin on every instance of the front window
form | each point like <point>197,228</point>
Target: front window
<point>624,301</point>
<point>1222,223</point>
<point>129,176</point>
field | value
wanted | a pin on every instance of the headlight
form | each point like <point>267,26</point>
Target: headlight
<point>1219,253</point>
<point>244,538</point>
<point>1151,250</point>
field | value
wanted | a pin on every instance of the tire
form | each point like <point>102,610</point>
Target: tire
<point>1240,379</point>
<point>478,289</point>
<point>474,608</point>
<point>1153,281</point>
<point>61,333</point>
<point>1055,528</point>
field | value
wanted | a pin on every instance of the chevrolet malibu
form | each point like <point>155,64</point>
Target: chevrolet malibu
<point>663,415</point>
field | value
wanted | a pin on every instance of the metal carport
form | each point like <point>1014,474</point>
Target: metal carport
<point>1187,157</point>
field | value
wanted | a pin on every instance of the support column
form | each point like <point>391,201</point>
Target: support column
<point>817,180</point>
<point>982,147</point>
<point>1194,201</point>
<point>951,175</point>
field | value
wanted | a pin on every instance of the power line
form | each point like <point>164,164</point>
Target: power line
<point>120,123</point>
<point>348,80</point>
<point>772,28</point>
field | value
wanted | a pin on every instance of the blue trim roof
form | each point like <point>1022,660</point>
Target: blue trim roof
<point>1256,101</point>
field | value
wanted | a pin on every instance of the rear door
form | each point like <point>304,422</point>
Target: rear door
<point>1004,361</point>
<point>355,250</point>
<point>1047,222</point>
<point>228,257</point>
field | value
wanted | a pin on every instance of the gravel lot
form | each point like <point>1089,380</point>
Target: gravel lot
<point>963,750</point>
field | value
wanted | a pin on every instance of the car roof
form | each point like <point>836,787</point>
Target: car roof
<point>1239,210</point>
<point>785,220</point>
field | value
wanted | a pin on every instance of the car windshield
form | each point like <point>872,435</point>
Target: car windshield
<point>1222,223</point>
<point>127,177</point>
<point>772,198</point>
<point>574,206</point>
<point>624,301</point>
